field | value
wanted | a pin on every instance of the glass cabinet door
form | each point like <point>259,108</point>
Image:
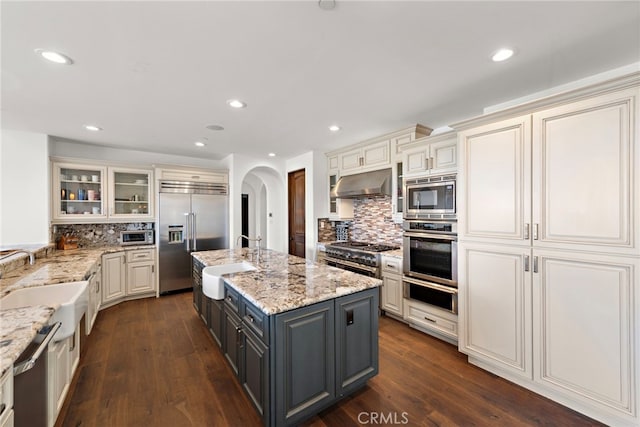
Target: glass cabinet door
<point>79,192</point>
<point>333,208</point>
<point>131,193</point>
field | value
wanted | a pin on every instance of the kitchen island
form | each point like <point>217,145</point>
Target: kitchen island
<point>298,335</point>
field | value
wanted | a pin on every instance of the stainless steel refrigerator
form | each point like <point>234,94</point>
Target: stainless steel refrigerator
<point>193,217</point>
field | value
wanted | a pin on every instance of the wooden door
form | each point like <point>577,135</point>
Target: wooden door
<point>297,213</point>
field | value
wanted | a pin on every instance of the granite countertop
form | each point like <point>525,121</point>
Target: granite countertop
<point>396,253</point>
<point>285,282</point>
<point>19,326</point>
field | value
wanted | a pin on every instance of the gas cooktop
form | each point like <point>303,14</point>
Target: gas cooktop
<point>364,246</point>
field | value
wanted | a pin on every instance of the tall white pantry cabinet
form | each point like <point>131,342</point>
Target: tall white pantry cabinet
<point>549,247</point>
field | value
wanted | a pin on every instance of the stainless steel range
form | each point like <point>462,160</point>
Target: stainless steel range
<point>359,257</point>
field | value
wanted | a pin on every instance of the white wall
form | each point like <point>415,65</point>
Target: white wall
<point>315,165</point>
<point>271,173</point>
<point>24,188</point>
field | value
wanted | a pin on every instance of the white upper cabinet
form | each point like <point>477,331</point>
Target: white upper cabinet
<point>431,155</point>
<point>582,180</point>
<point>373,156</point>
<point>78,193</point>
<point>131,194</point>
<point>85,193</point>
<point>494,194</point>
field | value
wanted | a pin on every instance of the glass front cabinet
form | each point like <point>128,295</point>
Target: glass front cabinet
<point>78,192</point>
<point>130,193</point>
<point>95,193</point>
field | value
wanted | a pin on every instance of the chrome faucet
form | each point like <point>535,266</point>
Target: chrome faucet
<point>32,257</point>
<point>257,240</point>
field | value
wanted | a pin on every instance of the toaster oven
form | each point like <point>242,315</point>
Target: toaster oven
<point>136,237</point>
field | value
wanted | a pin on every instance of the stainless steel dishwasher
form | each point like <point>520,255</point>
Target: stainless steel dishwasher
<point>30,380</point>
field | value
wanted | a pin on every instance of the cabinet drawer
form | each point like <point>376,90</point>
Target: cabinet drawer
<point>232,299</point>
<point>256,320</point>
<point>391,265</point>
<point>140,255</point>
<point>428,318</point>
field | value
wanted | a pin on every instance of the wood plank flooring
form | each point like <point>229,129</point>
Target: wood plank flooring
<point>152,362</point>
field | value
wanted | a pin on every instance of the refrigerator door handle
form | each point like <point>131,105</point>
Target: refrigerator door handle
<point>194,232</point>
<point>188,237</point>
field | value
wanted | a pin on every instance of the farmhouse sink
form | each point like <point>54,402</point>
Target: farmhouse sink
<point>72,298</point>
<point>212,281</point>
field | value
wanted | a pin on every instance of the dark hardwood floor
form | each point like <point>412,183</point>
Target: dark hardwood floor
<point>152,362</point>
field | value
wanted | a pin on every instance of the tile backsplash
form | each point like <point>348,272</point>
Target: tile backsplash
<point>96,235</point>
<point>372,222</point>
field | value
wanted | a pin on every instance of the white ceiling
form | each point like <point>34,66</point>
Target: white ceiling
<point>154,74</point>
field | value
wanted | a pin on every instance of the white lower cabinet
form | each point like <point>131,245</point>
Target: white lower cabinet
<point>58,377</point>
<point>113,277</point>
<point>391,290</point>
<point>140,271</point>
<point>129,273</point>
<point>6,398</point>
<point>558,322</point>
<point>432,320</point>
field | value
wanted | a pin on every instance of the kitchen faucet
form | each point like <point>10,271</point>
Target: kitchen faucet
<point>257,240</point>
<point>32,258</point>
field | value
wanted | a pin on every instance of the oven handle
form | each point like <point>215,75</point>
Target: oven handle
<point>351,264</point>
<point>431,236</point>
<point>443,288</point>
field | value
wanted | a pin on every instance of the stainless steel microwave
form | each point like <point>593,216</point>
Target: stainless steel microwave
<point>136,237</point>
<point>432,197</point>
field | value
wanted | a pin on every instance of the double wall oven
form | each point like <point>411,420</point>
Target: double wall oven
<point>430,246</point>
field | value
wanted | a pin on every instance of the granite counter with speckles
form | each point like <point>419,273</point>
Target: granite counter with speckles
<point>285,282</point>
<point>19,326</point>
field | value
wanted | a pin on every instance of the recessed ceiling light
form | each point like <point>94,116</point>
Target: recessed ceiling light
<point>502,55</point>
<point>327,4</point>
<point>93,128</point>
<point>272,154</point>
<point>334,128</point>
<point>199,144</point>
<point>234,103</point>
<point>56,57</point>
<point>215,127</point>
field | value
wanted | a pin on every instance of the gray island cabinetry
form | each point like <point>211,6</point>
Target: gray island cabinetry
<point>298,335</point>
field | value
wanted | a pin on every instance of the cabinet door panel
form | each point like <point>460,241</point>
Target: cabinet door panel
<point>356,340</point>
<point>495,306</point>
<point>140,277</point>
<point>495,185</point>
<point>113,277</point>
<point>583,309</point>
<point>350,160</point>
<point>231,340</point>
<point>376,154</point>
<point>305,361</point>
<point>582,179</point>
<point>445,156</point>
<point>216,319</point>
<point>415,162</point>
<point>255,372</point>
<point>392,294</point>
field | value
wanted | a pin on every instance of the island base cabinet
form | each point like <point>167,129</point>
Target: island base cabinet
<point>356,340</point>
<point>304,362</point>
<point>232,341</point>
<point>254,374</point>
<point>216,319</point>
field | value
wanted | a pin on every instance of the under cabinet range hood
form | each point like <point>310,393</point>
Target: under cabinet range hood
<point>375,183</point>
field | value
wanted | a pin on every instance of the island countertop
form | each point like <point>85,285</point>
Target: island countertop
<point>283,282</point>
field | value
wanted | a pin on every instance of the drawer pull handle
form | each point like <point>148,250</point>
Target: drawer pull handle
<point>251,319</point>
<point>430,320</point>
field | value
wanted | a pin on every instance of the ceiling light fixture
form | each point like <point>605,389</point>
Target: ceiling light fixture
<point>502,55</point>
<point>215,127</point>
<point>234,103</point>
<point>56,57</point>
<point>93,128</point>
<point>327,4</point>
<point>272,154</point>
<point>199,144</point>
<point>334,128</point>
